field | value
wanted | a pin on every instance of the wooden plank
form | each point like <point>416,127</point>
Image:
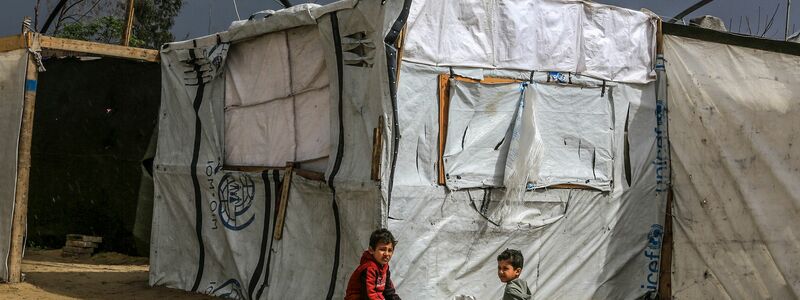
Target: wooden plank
<point>308,174</point>
<point>377,150</point>
<point>444,108</point>
<point>126,34</point>
<point>250,169</point>
<point>287,181</point>
<point>14,42</point>
<point>665,269</point>
<point>571,186</point>
<point>659,39</point>
<point>81,244</point>
<point>20,217</point>
<point>99,49</point>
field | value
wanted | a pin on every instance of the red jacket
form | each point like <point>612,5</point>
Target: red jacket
<point>370,281</point>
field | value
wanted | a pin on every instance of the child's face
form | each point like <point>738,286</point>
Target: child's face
<point>506,271</point>
<point>382,252</point>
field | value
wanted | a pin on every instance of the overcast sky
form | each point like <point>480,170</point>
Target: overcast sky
<point>201,17</point>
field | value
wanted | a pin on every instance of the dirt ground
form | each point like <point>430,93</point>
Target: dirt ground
<point>103,276</point>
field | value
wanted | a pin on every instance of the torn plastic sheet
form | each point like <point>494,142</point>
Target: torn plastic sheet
<point>479,132</point>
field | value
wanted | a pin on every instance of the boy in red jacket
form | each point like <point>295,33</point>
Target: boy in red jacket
<point>371,280</point>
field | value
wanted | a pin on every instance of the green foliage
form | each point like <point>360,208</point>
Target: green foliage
<point>153,20</point>
<point>106,29</point>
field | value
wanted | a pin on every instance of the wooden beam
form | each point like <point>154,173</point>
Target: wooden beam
<point>665,269</point>
<point>287,182</point>
<point>99,49</point>
<point>311,175</point>
<point>126,34</point>
<point>659,38</point>
<point>250,169</point>
<point>14,42</point>
<point>377,150</point>
<point>20,217</point>
<point>444,108</point>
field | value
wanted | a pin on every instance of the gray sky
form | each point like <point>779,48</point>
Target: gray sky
<point>201,17</point>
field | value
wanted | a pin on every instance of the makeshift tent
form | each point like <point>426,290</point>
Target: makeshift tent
<point>734,136</point>
<point>55,171</point>
<point>483,91</point>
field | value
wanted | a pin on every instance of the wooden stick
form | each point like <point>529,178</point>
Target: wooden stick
<point>99,49</point>
<point>659,39</point>
<point>444,107</point>
<point>19,219</point>
<point>377,150</point>
<point>287,182</point>
<point>665,270</point>
<point>126,34</point>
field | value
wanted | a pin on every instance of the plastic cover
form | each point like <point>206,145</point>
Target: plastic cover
<point>12,83</point>
<point>736,149</point>
<point>603,41</point>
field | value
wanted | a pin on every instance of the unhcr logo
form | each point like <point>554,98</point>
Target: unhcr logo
<point>653,254</point>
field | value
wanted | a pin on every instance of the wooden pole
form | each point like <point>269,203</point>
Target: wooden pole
<point>665,268</point>
<point>126,34</point>
<point>283,201</point>
<point>19,220</point>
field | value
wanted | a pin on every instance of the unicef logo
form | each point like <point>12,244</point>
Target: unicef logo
<point>235,198</point>
<point>654,236</point>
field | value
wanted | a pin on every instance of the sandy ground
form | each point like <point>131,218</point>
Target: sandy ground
<point>103,276</point>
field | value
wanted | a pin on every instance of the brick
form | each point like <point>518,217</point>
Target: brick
<point>77,250</point>
<point>85,238</point>
<point>81,244</point>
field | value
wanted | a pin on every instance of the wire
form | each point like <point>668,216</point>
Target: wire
<point>236,8</point>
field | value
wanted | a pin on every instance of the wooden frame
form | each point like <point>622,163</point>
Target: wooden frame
<point>444,109</point>
<point>28,40</point>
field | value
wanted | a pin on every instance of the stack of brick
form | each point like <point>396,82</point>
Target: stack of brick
<point>80,245</point>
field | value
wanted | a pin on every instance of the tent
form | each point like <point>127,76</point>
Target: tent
<point>86,146</point>
<point>284,141</point>
<point>734,143</point>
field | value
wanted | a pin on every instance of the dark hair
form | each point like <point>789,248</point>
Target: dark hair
<point>512,256</point>
<point>382,235</point>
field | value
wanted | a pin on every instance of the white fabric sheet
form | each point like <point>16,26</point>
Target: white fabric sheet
<point>12,86</point>
<point>576,125</point>
<point>578,244</point>
<point>607,42</point>
<point>277,99</point>
<point>736,148</point>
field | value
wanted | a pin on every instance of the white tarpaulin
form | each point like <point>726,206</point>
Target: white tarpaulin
<point>577,243</point>
<point>599,40</point>
<point>12,89</point>
<point>213,228</point>
<point>576,125</point>
<point>276,102</point>
<point>735,139</point>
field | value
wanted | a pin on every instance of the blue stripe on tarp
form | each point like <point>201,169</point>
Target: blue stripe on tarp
<point>30,85</point>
